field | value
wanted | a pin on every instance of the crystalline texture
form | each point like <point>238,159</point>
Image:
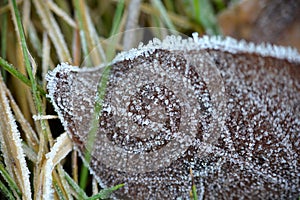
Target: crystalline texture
<point>11,145</point>
<point>228,110</point>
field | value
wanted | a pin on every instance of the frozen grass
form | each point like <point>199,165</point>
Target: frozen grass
<point>35,37</point>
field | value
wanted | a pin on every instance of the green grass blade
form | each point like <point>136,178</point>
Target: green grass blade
<point>194,195</point>
<point>110,53</point>
<point>13,71</point>
<point>94,125</point>
<point>164,15</point>
<point>84,170</point>
<point>6,192</point>
<point>194,192</point>
<point>220,5</point>
<point>105,193</point>
<point>3,39</point>
<point>100,96</point>
<point>83,40</point>
<point>13,186</point>
<point>205,15</point>
<point>196,7</point>
<point>117,18</point>
<point>36,93</point>
<point>81,194</point>
<point>59,192</point>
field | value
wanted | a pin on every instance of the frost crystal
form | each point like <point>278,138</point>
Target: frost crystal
<point>11,145</point>
<point>228,110</point>
<point>60,149</point>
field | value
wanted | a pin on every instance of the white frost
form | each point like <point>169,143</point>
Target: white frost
<point>226,44</point>
<point>60,149</point>
<point>17,145</point>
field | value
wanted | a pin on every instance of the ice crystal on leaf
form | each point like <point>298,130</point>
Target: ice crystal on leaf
<point>227,109</point>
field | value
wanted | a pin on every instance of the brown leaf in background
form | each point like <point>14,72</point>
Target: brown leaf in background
<point>274,21</point>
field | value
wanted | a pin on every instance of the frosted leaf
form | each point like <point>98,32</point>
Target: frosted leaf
<point>228,110</point>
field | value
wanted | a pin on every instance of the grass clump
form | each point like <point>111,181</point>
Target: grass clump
<point>35,37</point>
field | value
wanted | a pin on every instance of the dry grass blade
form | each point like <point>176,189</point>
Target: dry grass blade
<point>31,137</point>
<point>45,56</point>
<point>6,8</point>
<point>53,30</point>
<point>12,146</point>
<point>64,184</point>
<point>59,151</point>
<point>132,23</point>
<point>89,37</point>
<point>59,12</point>
<point>21,88</point>
<point>181,21</point>
<point>26,14</point>
<point>34,39</point>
